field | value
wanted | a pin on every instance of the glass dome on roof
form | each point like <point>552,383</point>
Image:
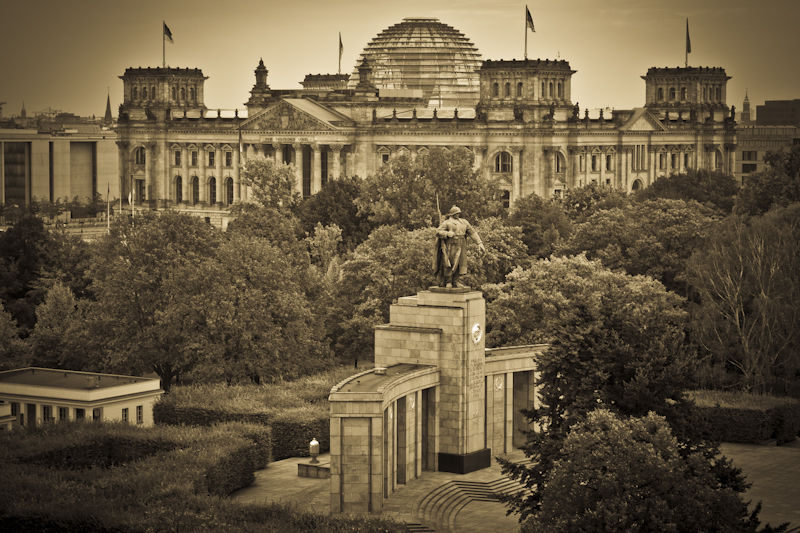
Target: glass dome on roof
<point>423,53</point>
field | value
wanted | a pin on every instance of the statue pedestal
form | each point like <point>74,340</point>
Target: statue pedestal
<point>445,328</point>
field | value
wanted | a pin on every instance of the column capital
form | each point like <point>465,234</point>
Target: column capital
<point>122,144</point>
<point>315,147</point>
<point>297,146</point>
<point>277,145</point>
<point>336,147</point>
<point>516,150</point>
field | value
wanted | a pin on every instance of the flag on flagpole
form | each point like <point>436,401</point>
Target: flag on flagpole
<point>341,46</point>
<point>529,20</point>
<point>688,41</point>
<point>167,33</point>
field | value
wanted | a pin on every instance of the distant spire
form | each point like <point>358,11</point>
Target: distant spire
<point>24,113</point>
<point>108,119</point>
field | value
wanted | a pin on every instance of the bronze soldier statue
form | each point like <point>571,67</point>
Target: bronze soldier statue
<point>451,248</point>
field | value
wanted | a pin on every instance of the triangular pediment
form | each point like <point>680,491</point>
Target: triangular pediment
<point>643,120</point>
<point>296,115</point>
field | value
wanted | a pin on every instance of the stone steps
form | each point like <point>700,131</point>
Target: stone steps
<point>440,507</point>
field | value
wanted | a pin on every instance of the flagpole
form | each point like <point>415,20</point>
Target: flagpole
<point>526,33</point>
<point>163,47</point>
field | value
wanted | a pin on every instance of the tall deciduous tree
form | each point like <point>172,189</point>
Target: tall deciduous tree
<point>580,203</point>
<point>403,192</point>
<point>544,224</point>
<point>778,185</point>
<point>707,187</point>
<point>748,279</point>
<point>273,185</point>
<point>14,352</point>
<point>653,238</point>
<point>622,475</point>
<point>139,271</point>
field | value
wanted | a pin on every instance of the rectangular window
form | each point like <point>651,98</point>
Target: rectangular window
<point>674,160</point>
<point>63,414</point>
<point>506,198</point>
<point>662,161</point>
<point>749,167</point>
<point>749,155</point>
<point>582,163</point>
<point>97,414</point>
<point>211,156</point>
<point>324,167</point>
<point>194,158</point>
<point>47,413</point>
<point>228,159</point>
<point>177,158</point>
<point>80,414</point>
<point>125,415</point>
<point>608,162</point>
<point>384,158</point>
<point>139,414</point>
<point>685,160</point>
<point>594,163</point>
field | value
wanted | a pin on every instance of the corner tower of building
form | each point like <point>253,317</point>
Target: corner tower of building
<point>156,90</point>
<point>690,89</point>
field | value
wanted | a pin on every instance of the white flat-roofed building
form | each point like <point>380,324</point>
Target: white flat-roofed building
<point>39,395</point>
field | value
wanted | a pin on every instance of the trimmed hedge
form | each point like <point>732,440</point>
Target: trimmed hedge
<point>293,429</point>
<point>170,413</point>
<point>746,418</point>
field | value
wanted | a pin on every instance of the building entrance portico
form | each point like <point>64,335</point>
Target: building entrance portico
<point>436,400</point>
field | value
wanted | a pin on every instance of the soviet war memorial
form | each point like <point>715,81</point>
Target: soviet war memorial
<point>435,291</point>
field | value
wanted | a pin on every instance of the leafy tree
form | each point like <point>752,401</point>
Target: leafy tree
<point>748,280</point>
<point>544,224</point>
<point>653,238</point>
<point>13,351</point>
<point>48,208</point>
<point>272,185</point>
<point>59,339</point>
<point>335,204</point>
<point>324,244</point>
<point>253,321</point>
<point>707,187</point>
<point>778,185</point>
<point>24,254</point>
<point>622,475</point>
<point>139,271</point>
<point>404,191</point>
<point>579,203</point>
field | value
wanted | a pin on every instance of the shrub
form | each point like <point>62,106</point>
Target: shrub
<point>747,418</point>
<point>293,430</point>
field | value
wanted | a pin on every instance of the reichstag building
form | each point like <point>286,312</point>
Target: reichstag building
<point>417,85</point>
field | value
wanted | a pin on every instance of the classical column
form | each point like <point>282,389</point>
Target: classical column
<point>201,173</point>
<point>124,185</point>
<point>480,153</point>
<point>628,160</point>
<point>149,162</point>
<point>317,168</point>
<point>602,157</point>
<point>184,173</point>
<point>298,161</point>
<point>516,182</point>
<point>334,171</point>
<point>218,171</point>
<point>731,163</point>
<point>278,153</point>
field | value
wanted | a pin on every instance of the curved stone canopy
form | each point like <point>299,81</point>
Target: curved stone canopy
<point>424,54</point>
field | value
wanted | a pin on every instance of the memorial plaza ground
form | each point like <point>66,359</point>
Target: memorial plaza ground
<point>442,501</point>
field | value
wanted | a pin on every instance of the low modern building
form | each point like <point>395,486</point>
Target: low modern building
<point>779,113</point>
<point>79,160</point>
<point>755,141</point>
<point>42,395</point>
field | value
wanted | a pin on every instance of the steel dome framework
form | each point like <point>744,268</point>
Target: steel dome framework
<point>423,53</point>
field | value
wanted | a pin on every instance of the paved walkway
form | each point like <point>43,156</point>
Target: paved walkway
<point>774,472</point>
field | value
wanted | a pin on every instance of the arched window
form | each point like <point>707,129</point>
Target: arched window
<point>134,93</point>
<point>144,93</point>
<point>672,93</point>
<point>139,156</point>
<point>542,94</point>
<point>503,162</point>
<point>660,93</point>
<point>495,89</point>
<point>683,93</point>
<point>550,90</point>
<point>560,163</point>
<point>560,91</point>
<point>507,91</point>
<point>705,93</point>
<point>212,190</point>
<point>195,190</point>
<point>191,92</point>
<point>153,92</point>
<point>719,94</point>
<point>229,191</point>
<point>173,93</point>
<point>183,93</point>
<point>178,189</point>
<point>637,185</point>
<point>519,89</point>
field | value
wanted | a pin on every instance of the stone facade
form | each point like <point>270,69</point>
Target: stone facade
<point>526,130</point>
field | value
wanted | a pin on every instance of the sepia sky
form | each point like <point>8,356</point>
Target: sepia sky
<point>66,54</point>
